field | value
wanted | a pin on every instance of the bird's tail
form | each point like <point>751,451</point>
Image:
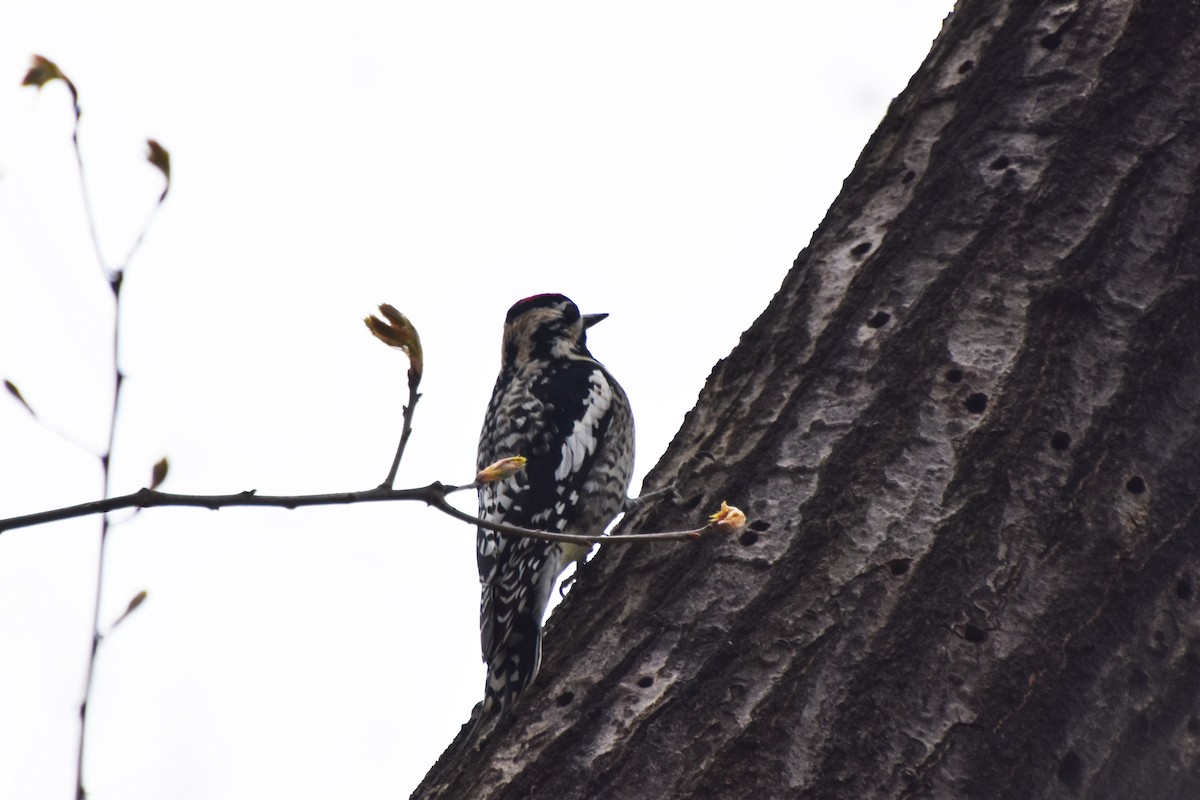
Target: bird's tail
<point>513,664</point>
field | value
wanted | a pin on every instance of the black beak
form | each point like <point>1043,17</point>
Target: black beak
<point>591,319</point>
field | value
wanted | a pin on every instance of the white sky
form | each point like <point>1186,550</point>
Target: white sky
<point>663,162</point>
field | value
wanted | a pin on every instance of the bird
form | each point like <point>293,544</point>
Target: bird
<point>561,409</point>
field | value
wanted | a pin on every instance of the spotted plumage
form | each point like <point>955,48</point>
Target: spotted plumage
<point>560,408</point>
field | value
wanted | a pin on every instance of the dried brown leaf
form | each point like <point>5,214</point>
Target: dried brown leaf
<point>41,72</point>
<point>15,392</point>
<point>160,157</point>
<point>158,473</point>
<point>137,600</point>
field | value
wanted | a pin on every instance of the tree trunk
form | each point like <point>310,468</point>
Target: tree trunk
<point>966,434</point>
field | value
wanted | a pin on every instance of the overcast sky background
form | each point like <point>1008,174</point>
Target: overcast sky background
<point>663,162</point>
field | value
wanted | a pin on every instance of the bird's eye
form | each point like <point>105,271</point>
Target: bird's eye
<point>570,314</point>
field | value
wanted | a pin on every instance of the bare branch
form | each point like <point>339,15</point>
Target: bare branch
<point>41,72</point>
<point>669,536</point>
<point>406,431</point>
<point>434,495</point>
<point>160,159</point>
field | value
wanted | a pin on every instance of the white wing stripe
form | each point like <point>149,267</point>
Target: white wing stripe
<point>582,440</point>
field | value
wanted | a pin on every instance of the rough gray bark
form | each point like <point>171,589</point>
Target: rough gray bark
<point>966,430</point>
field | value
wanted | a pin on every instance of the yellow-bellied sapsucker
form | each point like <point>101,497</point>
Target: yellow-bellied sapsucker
<point>560,408</point>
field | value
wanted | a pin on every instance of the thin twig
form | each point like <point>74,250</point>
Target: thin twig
<point>444,506</point>
<point>46,426</point>
<point>137,243</point>
<point>115,278</point>
<point>87,198</point>
<point>414,380</point>
<point>434,495</point>
<point>115,282</point>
